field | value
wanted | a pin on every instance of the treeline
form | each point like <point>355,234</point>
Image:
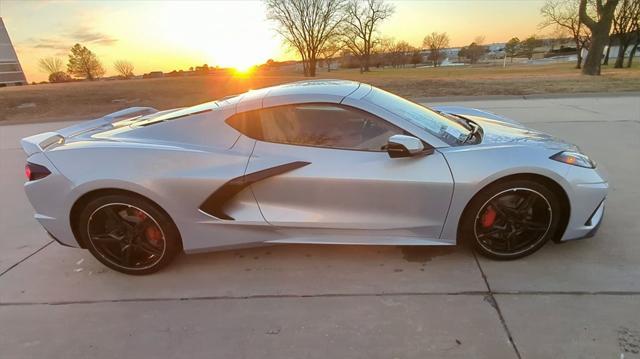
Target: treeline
<point>323,29</point>
<point>82,64</point>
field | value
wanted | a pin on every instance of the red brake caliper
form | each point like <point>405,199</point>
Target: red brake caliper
<point>153,235</point>
<point>151,232</point>
<point>488,217</point>
<point>140,215</point>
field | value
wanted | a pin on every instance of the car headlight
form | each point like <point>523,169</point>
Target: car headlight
<point>574,158</point>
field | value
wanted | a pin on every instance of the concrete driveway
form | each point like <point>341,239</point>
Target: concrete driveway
<point>574,300</point>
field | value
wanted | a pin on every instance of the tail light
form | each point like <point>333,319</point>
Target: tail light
<point>35,172</point>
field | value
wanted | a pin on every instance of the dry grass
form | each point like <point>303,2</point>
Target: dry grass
<point>91,99</point>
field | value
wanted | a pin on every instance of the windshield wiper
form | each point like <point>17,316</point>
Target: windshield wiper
<point>458,119</point>
<point>469,124</point>
<point>475,129</point>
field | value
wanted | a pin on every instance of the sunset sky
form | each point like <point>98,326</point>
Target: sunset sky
<point>166,35</point>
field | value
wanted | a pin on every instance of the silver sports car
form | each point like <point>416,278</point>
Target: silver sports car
<point>328,161</point>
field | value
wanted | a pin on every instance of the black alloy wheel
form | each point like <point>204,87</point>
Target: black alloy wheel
<point>512,220</point>
<point>128,234</point>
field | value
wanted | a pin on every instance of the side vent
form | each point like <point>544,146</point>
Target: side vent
<point>215,203</point>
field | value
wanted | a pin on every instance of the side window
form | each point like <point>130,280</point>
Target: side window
<point>248,123</point>
<point>317,125</point>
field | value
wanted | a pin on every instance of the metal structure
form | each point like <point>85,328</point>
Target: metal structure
<point>11,73</point>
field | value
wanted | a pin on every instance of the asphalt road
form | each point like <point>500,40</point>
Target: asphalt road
<point>574,300</point>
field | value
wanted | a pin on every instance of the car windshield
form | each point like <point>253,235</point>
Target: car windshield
<point>446,129</point>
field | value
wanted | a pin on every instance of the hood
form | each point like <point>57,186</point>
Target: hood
<point>501,130</point>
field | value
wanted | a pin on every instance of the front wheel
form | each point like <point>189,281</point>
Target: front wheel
<point>511,219</point>
<point>128,234</point>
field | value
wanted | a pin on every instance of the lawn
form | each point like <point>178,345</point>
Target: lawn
<point>81,100</point>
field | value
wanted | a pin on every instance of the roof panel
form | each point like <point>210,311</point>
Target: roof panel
<point>310,91</point>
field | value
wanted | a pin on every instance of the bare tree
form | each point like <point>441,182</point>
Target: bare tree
<point>54,67</point>
<point>84,63</point>
<point>565,14</point>
<point>416,57</point>
<point>124,68</point>
<point>528,46</point>
<point>307,26</point>
<point>380,53</point>
<point>387,49</point>
<point>473,52</point>
<point>557,37</point>
<point>600,28</point>
<point>51,65</point>
<point>361,23</point>
<point>330,50</point>
<point>404,50</point>
<point>625,22</point>
<point>435,42</point>
<point>512,47</point>
<point>479,40</point>
<point>399,53</point>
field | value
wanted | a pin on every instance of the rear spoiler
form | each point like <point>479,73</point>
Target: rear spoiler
<point>38,143</point>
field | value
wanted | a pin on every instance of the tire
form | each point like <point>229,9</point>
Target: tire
<point>143,242</point>
<point>521,231</point>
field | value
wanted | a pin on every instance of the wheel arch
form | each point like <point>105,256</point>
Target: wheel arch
<point>81,202</point>
<point>546,181</point>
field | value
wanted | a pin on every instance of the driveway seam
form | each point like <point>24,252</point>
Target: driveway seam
<point>311,296</point>
<point>249,297</point>
<point>492,300</point>
<point>25,258</point>
<point>575,292</point>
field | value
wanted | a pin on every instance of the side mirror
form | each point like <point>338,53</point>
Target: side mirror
<point>404,146</point>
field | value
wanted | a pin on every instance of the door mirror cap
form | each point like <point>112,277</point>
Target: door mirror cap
<point>405,146</point>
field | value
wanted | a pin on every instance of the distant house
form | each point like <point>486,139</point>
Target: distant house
<point>447,55</point>
<point>11,73</point>
<point>496,47</point>
<point>153,75</point>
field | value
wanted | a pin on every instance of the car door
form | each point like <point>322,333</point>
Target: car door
<point>324,166</point>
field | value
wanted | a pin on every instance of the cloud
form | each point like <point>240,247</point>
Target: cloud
<point>105,41</point>
<point>87,35</point>
<point>46,43</point>
<point>63,42</point>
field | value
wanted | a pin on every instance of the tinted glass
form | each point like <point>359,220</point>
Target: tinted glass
<point>446,129</point>
<point>248,123</point>
<point>317,125</point>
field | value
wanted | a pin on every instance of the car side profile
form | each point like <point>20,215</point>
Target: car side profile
<point>324,162</point>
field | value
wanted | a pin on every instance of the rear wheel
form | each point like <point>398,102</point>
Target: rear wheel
<point>128,234</point>
<point>511,219</point>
